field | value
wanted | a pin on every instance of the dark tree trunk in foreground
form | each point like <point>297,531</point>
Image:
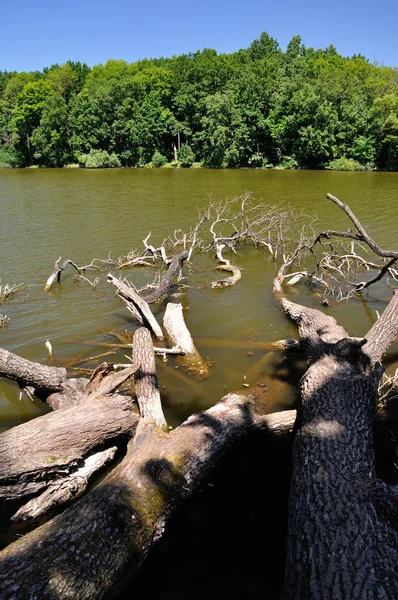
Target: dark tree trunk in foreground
<point>342,536</point>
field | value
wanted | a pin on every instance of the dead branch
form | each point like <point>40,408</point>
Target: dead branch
<point>174,270</point>
<point>7,290</point>
<point>228,281</point>
<point>45,380</point>
<point>56,274</point>
<point>138,306</point>
<point>334,267</point>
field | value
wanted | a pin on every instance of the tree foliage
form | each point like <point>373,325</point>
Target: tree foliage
<point>257,107</point>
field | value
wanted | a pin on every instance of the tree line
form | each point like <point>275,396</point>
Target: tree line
<point>258,107</point>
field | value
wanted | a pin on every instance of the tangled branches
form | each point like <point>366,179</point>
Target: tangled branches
<point>339,263</point>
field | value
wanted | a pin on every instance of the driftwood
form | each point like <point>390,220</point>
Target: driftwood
<point>56,274</point>
<point>51,449</point>
<point>177,334</point>
<point>28,374</point>
<point>225,266</point>
<point>165,283</point>
<point>228,281</point>
<point>69,444</point>
<point>137,306</point>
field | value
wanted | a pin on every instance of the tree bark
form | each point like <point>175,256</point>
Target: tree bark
<point>30,374</point>
<point>173,269</point>
<point>342,541</point>
<point>139,307</point>
<point>53,446</point>
<point>55,454</point>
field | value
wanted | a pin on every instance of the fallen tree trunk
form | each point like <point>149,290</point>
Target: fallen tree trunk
<point>53,446</point>
<point>26,373</point>
<point>66,446</point>
<point>93,547</point>
<point>342,536</point>
<point>177,335</point>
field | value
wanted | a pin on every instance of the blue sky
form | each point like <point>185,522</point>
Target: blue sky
<point>38,33</point>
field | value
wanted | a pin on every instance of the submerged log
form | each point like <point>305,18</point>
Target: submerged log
<point>225,266</point>
<point>342,540</point>
<point>178,335</point>
<point>228,281</point>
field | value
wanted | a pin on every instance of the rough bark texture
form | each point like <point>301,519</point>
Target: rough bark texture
<point>93,547</point>
<point>28,373</point>
<point>384,331</point>
<point>52,447</point>
<point>177,334</point>
<point>342,542</point>
<point>61,490</point>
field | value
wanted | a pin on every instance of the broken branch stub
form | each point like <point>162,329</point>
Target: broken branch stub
<point>178,335</point>
<point>30,374</point>
<point>56,274</point>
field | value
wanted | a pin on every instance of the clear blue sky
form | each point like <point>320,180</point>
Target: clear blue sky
<point>38,33</point>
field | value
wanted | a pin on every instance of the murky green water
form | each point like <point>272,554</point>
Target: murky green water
<point>80,215</point>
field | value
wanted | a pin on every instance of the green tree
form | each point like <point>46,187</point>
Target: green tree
<point>385,127</point>
<point>186,156</point>
<point>50,140</point>
<point>27,114</point>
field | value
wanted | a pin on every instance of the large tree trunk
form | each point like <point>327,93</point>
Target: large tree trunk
<point>67,446</point>
<point>342,538</point>
<point>53,446</point>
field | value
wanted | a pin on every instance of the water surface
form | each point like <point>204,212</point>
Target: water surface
<point>83,214</point>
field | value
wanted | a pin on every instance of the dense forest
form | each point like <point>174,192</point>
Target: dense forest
<point>258,107</point>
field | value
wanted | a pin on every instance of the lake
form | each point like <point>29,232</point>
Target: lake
<point>86,214</point>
